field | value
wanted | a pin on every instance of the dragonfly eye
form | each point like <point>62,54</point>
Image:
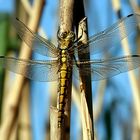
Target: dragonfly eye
<point>66,35</point>
<point>63,35</point>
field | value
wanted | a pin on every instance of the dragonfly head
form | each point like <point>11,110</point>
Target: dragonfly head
<point>65,39</point>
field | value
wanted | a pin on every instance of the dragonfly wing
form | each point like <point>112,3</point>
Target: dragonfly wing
<point>108,38</point>
<point>35,70</point>
<point>35,41</point>
<point>102,69</point>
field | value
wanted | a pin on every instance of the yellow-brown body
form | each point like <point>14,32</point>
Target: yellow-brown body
<point>65,41</point>
<point>63,86</point>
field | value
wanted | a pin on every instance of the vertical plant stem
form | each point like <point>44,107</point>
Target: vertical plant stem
<point>7,87</point>
<point>15,93</point>
<point>66,21</point>
<point>24,124</point>
<point>4,29</point>
<point>136,127</point>
<point>86,81</point>
<point>86,94</point>
<point>99,99</point>
<point>66,24</point>
<point>66,15</point>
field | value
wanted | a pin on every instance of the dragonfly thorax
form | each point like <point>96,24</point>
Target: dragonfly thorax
<point>63,56</point>
<point>65,39</point>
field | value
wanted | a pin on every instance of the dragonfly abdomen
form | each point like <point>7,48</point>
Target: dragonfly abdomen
<point>62,96</point>
<point>63,86</point>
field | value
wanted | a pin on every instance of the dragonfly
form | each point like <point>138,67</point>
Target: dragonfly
<point>63,56</point>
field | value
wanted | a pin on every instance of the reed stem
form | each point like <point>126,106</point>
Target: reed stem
<point>15,92</point>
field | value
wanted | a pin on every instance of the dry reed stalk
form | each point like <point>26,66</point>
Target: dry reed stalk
<point>98,103</point>
<point>127,51</point>
<point>28,9</point>
<point>66,25</point>
<point>14,132</point>
<point>66,15</point>
<point>7,87</point>
<point>135,131</point>
<point>23,15</point>
<point>66,20</point>
<point>24,123</point>
<point>55,133</point>
<point>99,99</point>
<point>87,127</point>
<point>53,97</point>
<point>136,128</point>
<point>86,120</point>
<point>15,93</point>
<point>80,99</point>
<point>24,120</point>
<point>27,6</point>
<point>86,88</point>
<point>135,6</point>
<point>133,82</point>
<point>116,5</point>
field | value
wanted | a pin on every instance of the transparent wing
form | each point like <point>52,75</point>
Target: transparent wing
<point>101,69</point>
<point>34,70</point>
<point>34,41</point>
<point>108,38</point>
